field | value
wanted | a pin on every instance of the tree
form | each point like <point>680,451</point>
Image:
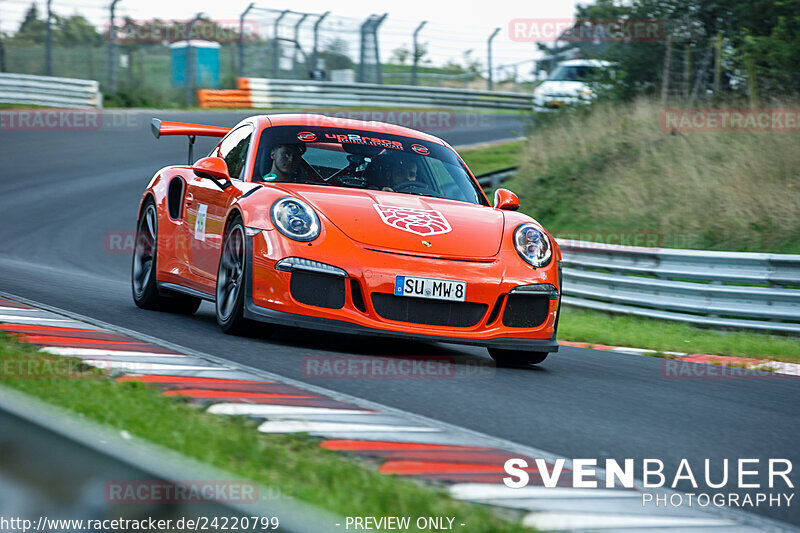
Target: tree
<point>335,55</point>
<point>32,30</point>
<point>76,30</point>
<point>400,55</point>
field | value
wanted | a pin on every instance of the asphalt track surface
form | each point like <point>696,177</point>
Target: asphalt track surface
<point>63,193</point>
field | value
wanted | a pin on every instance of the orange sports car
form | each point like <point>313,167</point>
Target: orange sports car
<point>346,226</point>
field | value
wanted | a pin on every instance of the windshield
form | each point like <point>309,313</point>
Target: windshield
<point>343,157</point>
<point>575,73</point>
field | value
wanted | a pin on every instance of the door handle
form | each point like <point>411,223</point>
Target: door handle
<point>189,198</point>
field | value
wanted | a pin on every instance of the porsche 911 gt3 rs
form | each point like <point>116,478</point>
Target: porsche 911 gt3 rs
<point>345,226</point>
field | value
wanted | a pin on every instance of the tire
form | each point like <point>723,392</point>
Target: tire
<point>143,269</point>
<point>516,358</point>
<point>231,276</point>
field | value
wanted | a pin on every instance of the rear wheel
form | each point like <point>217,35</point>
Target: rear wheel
<point>143,271</point>
<point>516,358</point>
<point>231,281</point>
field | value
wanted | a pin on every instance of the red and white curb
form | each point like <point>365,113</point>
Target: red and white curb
<point>469,464</point>
<point>750,363</point>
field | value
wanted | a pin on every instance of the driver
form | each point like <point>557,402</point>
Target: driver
<point>401,170</point>
<point>286,162</point>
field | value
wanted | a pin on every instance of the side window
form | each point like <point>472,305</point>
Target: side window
<point>451,181</point>
<point>233,149</point>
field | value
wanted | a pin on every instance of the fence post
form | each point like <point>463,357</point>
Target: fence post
<point>276,46</point>
<point>112,52</point>
<point>489,56</point>
<point>415,57</point>
<point>190,63</point>
<point>315,53</point>
<point>241,39</point>
<point>297,46</point>
<point>48,41</point>
<point>717,65</point>
<point>687,71</point>
<point>369,50</point>
<point>666,71</point>
<point>752,81</point>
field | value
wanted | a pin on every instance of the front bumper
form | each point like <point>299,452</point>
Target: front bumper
<point>269,297</point>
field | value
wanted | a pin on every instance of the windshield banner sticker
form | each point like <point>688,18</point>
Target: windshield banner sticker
<point>361,139</point>
<point>420,221</point>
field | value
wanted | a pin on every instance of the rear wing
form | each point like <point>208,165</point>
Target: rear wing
<point>165,127</point>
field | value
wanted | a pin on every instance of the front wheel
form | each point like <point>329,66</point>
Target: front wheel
<point>231,281</point>
<point>143,271</point>
<point>516,358</point>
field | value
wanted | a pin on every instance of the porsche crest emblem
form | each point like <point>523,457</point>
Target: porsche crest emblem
<point>423,222</point>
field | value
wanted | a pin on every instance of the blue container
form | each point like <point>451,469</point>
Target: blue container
<point>205,55</point>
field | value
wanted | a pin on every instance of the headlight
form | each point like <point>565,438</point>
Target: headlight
<point>533,245</point>
<point>539,91</point>
<point>295,219</point>
<point>586,92</point>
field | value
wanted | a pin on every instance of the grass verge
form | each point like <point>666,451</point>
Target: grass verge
<point>583,325</point>
<point>613,167</point>
<point>294,464</point>
<point>494,157</point>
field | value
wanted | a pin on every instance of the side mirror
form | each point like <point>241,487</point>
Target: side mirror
<point>505,200</point>
<point>215,169</point>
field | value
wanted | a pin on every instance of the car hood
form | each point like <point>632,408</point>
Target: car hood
<point>566,88</point>
<point>402,222</point>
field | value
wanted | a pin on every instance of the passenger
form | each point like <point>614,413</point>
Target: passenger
<point>399,169</point>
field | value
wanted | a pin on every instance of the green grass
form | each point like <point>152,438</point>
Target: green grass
<point>495,157</point>
<point>595,327</point>
<point>294,464</point>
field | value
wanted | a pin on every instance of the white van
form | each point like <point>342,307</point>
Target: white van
<point>569,84</point>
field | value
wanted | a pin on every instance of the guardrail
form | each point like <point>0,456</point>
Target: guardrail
<point>49,91</point>
<point>62,464</point>
<point>718,289</point>
<point>272,93</point>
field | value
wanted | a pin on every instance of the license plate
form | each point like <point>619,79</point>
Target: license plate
<point>556,103</point>
<point>437,289</point>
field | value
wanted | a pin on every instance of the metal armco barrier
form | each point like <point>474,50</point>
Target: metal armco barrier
<point>49,91</point>
<point>717,289</point>
<point>272,93</point>
<point>653,282</point>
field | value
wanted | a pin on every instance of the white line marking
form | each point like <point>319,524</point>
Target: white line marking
<point>632,350</point>
<point>35,321</point>
<point>568,521</point>
<point>297,426</point>
<point>83,352</point>
<point>779,367</point>
<point>145,368</point>
<point>496,491</point>
<point>266,410</point>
